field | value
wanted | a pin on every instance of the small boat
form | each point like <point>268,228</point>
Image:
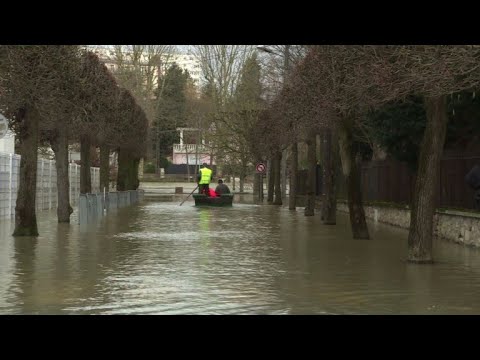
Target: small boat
<point>222,200</point>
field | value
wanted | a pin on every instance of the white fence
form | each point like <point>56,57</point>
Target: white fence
<point>46,183</point>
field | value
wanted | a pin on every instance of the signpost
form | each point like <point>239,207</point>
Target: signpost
<point>261,169</point>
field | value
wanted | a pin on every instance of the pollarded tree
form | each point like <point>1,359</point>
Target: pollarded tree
<point>32,84</point>
<point>432,72</point>
<point>60,126</point>
<point>325,82</point>
<point>97,123</point>
<point>132,146</point>
<point>355,79</point>
<point>110,127</point>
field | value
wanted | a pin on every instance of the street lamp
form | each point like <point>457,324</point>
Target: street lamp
<point>286,66</point>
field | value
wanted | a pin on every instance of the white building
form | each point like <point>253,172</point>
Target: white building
<point>193,154</point>
<point>7,137</point>
<point>190,63</point>
<point>7,143</point>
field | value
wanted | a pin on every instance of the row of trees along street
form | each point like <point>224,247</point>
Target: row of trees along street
<point>339,91</point>
<point>62,95</point>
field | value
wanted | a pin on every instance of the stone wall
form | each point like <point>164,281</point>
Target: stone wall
<point>457,226</point>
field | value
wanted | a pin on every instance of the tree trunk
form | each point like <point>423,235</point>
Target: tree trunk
<point>256,186</point>
<point>104,168</point>
<point>135,179</point>
<point>127,178</point>
<point>292,195</point>
<point>277,161</point>
<point>122,170</point>
<point>312,170</point>
<point>25,216</point>
<point>243,171</point>
<point>283,173</point>
<point>352,172</point>
<point>59,144</point>
<point>85,176</point>
<point>423,202</point>
<point>271,181</point>
<point>329,162</point>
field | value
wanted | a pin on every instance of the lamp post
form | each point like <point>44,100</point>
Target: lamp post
<point>286,67</point>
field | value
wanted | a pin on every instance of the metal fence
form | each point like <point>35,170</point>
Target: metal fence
<point>392,181</point>
<point>46,183</point>
<point>94,206</point>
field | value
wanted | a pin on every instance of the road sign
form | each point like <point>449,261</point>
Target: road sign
<point>261,168</point>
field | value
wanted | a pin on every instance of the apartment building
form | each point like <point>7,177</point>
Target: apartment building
<point>149,62</point>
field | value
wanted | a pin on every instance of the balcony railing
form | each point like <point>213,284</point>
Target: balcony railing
<point>190,148</point>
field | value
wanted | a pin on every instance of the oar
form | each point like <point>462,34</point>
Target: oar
<point>189,195</point>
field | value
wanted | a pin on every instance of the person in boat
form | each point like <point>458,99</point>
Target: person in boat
<point>222,188</point>
<point>204,178</point>
<point>212,193</point>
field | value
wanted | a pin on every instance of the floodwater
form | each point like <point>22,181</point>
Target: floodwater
<point>158,257</point>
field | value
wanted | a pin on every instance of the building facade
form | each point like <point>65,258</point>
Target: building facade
<point>191,154</point>
<point>7,137</point>
<point>149,62</point>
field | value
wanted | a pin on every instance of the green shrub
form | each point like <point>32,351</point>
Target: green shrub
<point>149,168</point>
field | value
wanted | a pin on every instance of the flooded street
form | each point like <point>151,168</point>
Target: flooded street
<point>161,258</point>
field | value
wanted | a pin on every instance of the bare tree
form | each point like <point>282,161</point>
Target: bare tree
<point>276,70</point>
<point>433,72</point>
<point>141,70</point>
<point>323,79</point>
<point>222,67</point>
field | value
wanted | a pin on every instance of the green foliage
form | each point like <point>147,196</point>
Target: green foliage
<point>464,119</point>
<point>164,163</point>
<point>172,109</point>
<point>248,94</point>
<point>149,168</point>
<point>234,127</point>
<point>208,91</point>
<point>398,127</point>
<point>364,149</point>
